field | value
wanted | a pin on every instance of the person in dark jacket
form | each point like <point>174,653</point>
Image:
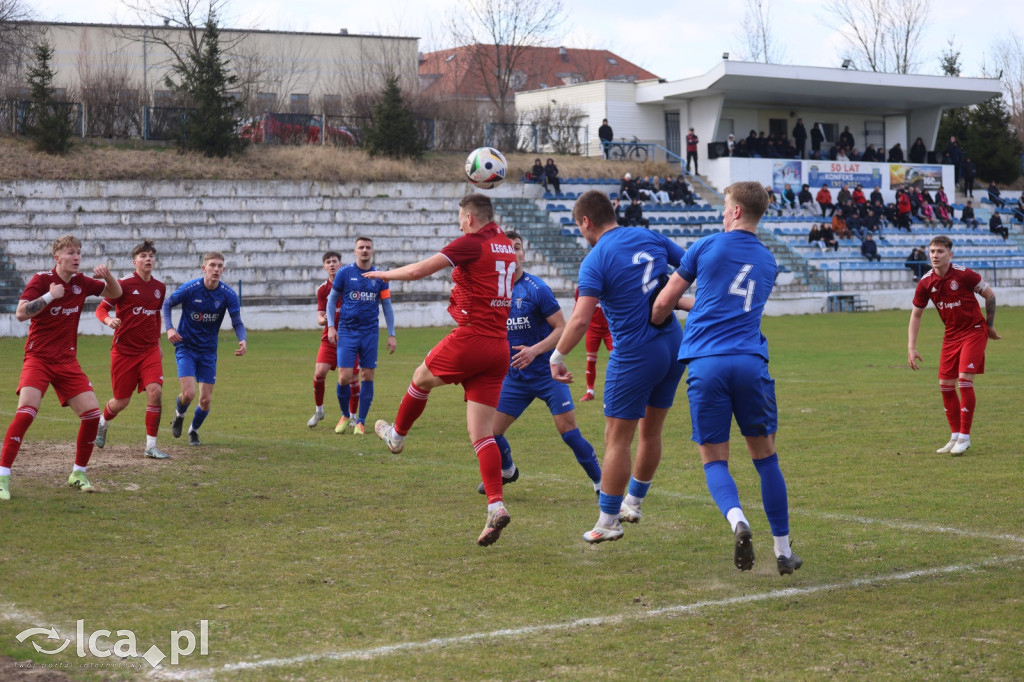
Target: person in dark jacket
<point>995,226</point>
<point>634,215</point>
<point>869,249</point>
<point>918,153</point>
<point>800,137</point>
<point>551,176</point>
<point>968,216</point>
<point>896,154</point>
<point>604,133</point>
<point>969,171</point>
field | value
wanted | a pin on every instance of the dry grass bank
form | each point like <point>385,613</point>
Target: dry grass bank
<point>92,161</point>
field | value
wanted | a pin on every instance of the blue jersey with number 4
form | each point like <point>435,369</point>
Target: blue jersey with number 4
<point>735,273</point>
<point>623,271</point>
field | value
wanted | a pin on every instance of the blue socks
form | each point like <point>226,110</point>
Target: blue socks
<point>610,504</point>
<point>179,408</point>
<point>343,393</point>
<point>198,418</point>
<point>506,452</point>
<point>721,486</point>
<point>773,494</point>
<point>638,489</point>
<point>584,452</point>
<point>365,399</point>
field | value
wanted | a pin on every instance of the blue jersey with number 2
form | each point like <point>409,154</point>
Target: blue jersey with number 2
<point>735,273</point>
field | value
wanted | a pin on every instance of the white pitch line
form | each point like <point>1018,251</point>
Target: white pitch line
<point>441,642</point>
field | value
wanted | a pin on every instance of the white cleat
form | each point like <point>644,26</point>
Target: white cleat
<point>317,417</point>
<point>960,448</point>
<point>948,447</point>
<point>629,513</point>
<point>387,433</point>
<point>603,534</point>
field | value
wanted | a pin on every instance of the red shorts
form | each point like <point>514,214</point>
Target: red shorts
<point>594,339</point>
<point>328,354</point>
<point>68,380</point>
<point>965,355</point>
<point>132,373</point>
<point>479,363</point>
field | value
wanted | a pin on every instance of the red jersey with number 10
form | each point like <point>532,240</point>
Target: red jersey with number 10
<point>953,296</point>
<point>485,267</point>
<point>53,334</point>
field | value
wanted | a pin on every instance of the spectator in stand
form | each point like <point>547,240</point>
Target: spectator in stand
<point>627,188</point>
<point>915,202</point>
<point>752,146</point>
<point>968,216</point>
<point>806,200</point>
<point>870,154</point>
<point>994,195</point>
<point>682,194</point>
<point>1018,211</point>
<point>871,221</point>
<point>890,214</point>
<point>551,176</point>
<point>903,209</point>
<point>869,249</point>
<point>896,154</point>
<point>858,196</point>
<point>833,153</point>
<point>741,151</point>
<point>844,196</point>
<point>839,224</point>
<point>968,171</point>
<point>817,137</point>
<point>773,201</point>
<point>995,226</point>
<point>829,237</point>
<point>536,173</point>
<point>944,215</point>
<point>876,196</point>
<point>926,196</point>
<point>918,153</point>
<point>800,137</point>
<point>635,215</point>
<point>853,221</point>
<point>941,198</point>
<point>846,138</point>
<point>814,237</point>
<point>928,214</point>
<point>917,261</point>
<point>824,200</point>
<point>618,210</point>
<point>956,155</point>
<point>691,151</point>
<point>789,198</point>
<point>762,145</point>
<point>660,193</point>
<point>645,188</point>
<point>730,145</point>
<point>604,133</point>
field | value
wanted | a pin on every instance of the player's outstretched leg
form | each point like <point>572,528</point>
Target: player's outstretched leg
<point>775,500</point>
<point>490,471</point>
<point>509,472</point>
<point>386,432</point>
<point>723,491</point>
<point>585,455</point>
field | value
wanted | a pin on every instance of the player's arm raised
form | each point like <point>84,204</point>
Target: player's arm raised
<point>113,288</point>
<point>912,331</point>
<point>26,310</point>
<point>412,271</point>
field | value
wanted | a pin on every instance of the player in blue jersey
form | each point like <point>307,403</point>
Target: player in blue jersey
<point>535,324</point>
<point>357,330</point>
<point>623,271</point>
<point>203,303</point>
<point>727,358</point>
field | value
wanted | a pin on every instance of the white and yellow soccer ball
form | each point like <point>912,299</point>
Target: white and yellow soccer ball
<point>486,167</point>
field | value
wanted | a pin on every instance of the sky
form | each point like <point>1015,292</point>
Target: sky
<point>674,39</point>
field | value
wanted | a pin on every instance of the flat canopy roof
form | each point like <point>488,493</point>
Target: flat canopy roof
<point>755,84</point>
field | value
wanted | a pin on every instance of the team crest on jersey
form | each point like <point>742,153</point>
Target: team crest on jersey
<point>76,290</point>
<point>157,293</point>
<point>954,285</point>
<point>519,303</point>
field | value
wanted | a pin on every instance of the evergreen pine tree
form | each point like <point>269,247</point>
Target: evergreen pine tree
<point>210,126</point>
<point>48,122</point>
<point>393,130</point>
<point>990,142</point>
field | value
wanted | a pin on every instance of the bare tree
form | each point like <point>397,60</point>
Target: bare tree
<point>1008,55</point>
<point>111,97</point>
<point>757,32</point>
<point>884,35</point>
<point>499,35</point>
<point>16,41</point>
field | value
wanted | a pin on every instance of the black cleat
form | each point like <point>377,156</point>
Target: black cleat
<point>504,481</point>
<point>788,564</point>
<point>193,438</point>
<point>743,555</point>
<point>176,426</point>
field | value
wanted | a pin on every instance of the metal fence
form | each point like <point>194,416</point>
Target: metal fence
<point>15,114</point>
<point>164,123</point>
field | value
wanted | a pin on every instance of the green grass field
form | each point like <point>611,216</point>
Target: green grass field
<point>315,556</point>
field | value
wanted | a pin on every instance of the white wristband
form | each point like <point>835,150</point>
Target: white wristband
<point>47,298</point>
<point>557,358</point>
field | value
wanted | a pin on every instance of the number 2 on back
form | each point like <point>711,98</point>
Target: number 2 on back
<point>737,287</point>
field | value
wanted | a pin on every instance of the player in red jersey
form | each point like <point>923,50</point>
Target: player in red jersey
<point>597,332</point>
<point>952,288</point>
<point>53,301</point>
<point>136,361</point>
<point>475,353</point>
<point>327,356</point>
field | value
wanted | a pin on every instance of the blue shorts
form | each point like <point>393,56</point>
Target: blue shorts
<point>721,386</point>
<point>642,377</point>
<point>202,366</point>
<point>516,396</point>
<point>358,345</point>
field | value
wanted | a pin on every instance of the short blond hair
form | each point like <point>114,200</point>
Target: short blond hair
<point>64,242</point>
<point>211,255</point>
<point>752,197</point>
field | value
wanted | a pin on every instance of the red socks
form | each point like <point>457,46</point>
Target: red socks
<point>16,433</point>
<point>152,420</point>
<point>413,403</point>
<point>966,406</point>
<point>318,393</point>
<point>591,371</point>
<point>951,404</point>
<point>90,424</point>
<point>490,467</point>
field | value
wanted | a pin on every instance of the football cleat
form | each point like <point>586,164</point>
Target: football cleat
<point>5,487</point>
<point>588,396</point>
<point>176,425</point>
<point>386,432</point>
<point>156,453</point>
<point>193,437</point>
<point>101,436</point>
<point>601,533</point>
<point>629,513</point>
<point>342,424</point>
<point>358,429</point>
<point>78,480</point>
<point>504,481</point>
<point>947,447</point>
<point>317,417</point>
<point>962,445</point>
<point>496,522</point>
<point>788,564</point>
<point>743,555</point>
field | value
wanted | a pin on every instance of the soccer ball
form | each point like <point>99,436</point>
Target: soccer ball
<point>485,167</point>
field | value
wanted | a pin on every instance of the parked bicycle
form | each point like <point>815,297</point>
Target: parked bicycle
<point>627,151</point>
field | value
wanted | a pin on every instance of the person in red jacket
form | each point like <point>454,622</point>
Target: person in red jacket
<point>691,151</point>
